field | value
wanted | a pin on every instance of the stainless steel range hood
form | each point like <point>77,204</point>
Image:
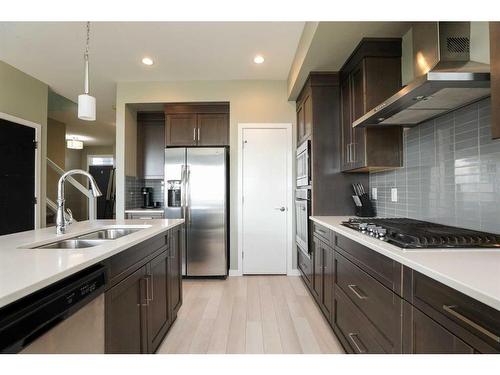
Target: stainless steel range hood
<point>446,78</point>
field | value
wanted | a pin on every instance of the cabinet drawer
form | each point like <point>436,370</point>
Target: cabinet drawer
<point>120,265</point>
<point>325,234</point>
<point>472,321</point>
<point>305,265</point>
<point>424,336</point>
<point>380,305</point>
<point>385,270</point>
<point>358,333</point>
<point>145,216</point>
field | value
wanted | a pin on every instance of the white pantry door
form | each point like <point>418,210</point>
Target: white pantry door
<point>264,191</point>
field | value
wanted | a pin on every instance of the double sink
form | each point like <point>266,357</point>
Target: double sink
<point>90,239</point>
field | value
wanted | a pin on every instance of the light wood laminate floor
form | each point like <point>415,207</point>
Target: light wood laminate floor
<point>249,314</point>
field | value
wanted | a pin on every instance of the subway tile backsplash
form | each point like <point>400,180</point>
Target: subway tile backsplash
<point>133,194</point>
<point>451,172</point>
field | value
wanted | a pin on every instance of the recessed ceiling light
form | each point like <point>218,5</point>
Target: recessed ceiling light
<point>147,61</point>
<point>258,59</point>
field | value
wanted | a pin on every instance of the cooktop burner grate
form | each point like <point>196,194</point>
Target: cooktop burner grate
<point>416,234</point>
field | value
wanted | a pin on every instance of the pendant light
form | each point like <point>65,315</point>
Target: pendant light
<point>86,102</point>
<point>74,144</point>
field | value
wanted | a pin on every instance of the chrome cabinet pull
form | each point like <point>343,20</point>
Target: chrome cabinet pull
<point>194,134</point>
<point>451,310</point>
<point>198,134</point>
<point>147,290</point>
<point>348,152</point>
<point>151,285</point>
<point>357,343</point>
<point>354,288</point>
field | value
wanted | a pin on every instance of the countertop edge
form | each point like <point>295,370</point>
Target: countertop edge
<point>452,283</point>
<point>34,287</point>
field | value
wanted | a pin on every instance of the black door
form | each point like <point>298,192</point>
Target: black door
<point>101,174</point>
<point>17,177</point>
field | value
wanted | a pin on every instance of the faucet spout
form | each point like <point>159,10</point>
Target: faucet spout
<point>61,221</point>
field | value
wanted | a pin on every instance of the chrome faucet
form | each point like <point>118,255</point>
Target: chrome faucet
<point>65,217</point>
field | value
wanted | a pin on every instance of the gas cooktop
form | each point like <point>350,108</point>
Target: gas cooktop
<point>416,234</point>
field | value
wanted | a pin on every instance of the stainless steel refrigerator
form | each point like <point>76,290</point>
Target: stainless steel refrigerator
<point>196,189</point>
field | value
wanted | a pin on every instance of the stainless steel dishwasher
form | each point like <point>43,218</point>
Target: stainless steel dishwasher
<point>64,318</point>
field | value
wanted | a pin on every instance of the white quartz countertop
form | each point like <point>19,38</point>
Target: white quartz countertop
<point>24,270</point>
<point>474,272</point>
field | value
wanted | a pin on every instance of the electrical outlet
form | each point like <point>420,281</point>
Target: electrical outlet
<point>394,194</point>
<point>374,194</point>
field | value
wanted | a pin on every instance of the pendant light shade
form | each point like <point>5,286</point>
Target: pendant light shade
<point>86,102</point>
<point>86,107</point>
<point>74,144</point>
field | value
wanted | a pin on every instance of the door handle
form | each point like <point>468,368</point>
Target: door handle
<point>282,209</point>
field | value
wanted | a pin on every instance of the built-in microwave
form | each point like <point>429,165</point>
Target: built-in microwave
<point>304,164</point>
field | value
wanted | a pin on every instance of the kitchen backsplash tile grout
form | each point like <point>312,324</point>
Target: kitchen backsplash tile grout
<point>451,172</point>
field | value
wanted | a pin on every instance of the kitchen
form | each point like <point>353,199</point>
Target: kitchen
<point>336,193</point>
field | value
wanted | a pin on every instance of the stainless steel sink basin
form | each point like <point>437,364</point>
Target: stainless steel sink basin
<point>90,239</point>
<point>109,234</point>
<point>72,244</point>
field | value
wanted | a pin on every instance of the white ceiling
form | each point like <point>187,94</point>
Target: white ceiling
<point>53,53</point>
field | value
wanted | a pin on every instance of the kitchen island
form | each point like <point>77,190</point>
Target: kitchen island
<point>141,287</point>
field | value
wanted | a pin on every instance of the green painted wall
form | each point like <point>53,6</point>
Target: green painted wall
<point>26,97</point>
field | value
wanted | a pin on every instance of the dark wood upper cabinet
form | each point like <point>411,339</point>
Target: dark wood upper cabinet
<point>318,120</point>
<point>213,129</point>
<point>197,124</point>
<point>126,315</point>
<point>495,78</point>
<point>181,129</point>
<point>370,75</point>
<point>150,144</point>
<point>301,130</point>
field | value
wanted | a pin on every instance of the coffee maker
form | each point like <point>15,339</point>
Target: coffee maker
<point>147,197</point>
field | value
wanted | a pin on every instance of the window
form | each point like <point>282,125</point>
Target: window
<point>101,160</point>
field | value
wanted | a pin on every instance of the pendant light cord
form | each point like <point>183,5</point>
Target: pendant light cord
<point>86,59</point>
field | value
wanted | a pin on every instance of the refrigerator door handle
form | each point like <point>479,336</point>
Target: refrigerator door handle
<point>183,191</point>
<point>187,216</point>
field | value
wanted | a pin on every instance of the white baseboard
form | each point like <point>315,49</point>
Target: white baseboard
<point>235,273</point>
<point>293,272</point>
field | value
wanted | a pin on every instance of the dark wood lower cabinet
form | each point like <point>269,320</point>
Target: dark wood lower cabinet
<point>159,318</point>
<point>375,305</point>
<point>141,306</point>
<point>126,312</point>
<point>328,281</point>
<point>424,336</point>
<point>175,271</point>
<point>317,279</point>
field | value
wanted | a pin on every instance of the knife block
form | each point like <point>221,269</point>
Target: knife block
<point>366,209</point>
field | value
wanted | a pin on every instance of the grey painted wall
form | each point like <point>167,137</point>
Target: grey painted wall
<point>451,172</point>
